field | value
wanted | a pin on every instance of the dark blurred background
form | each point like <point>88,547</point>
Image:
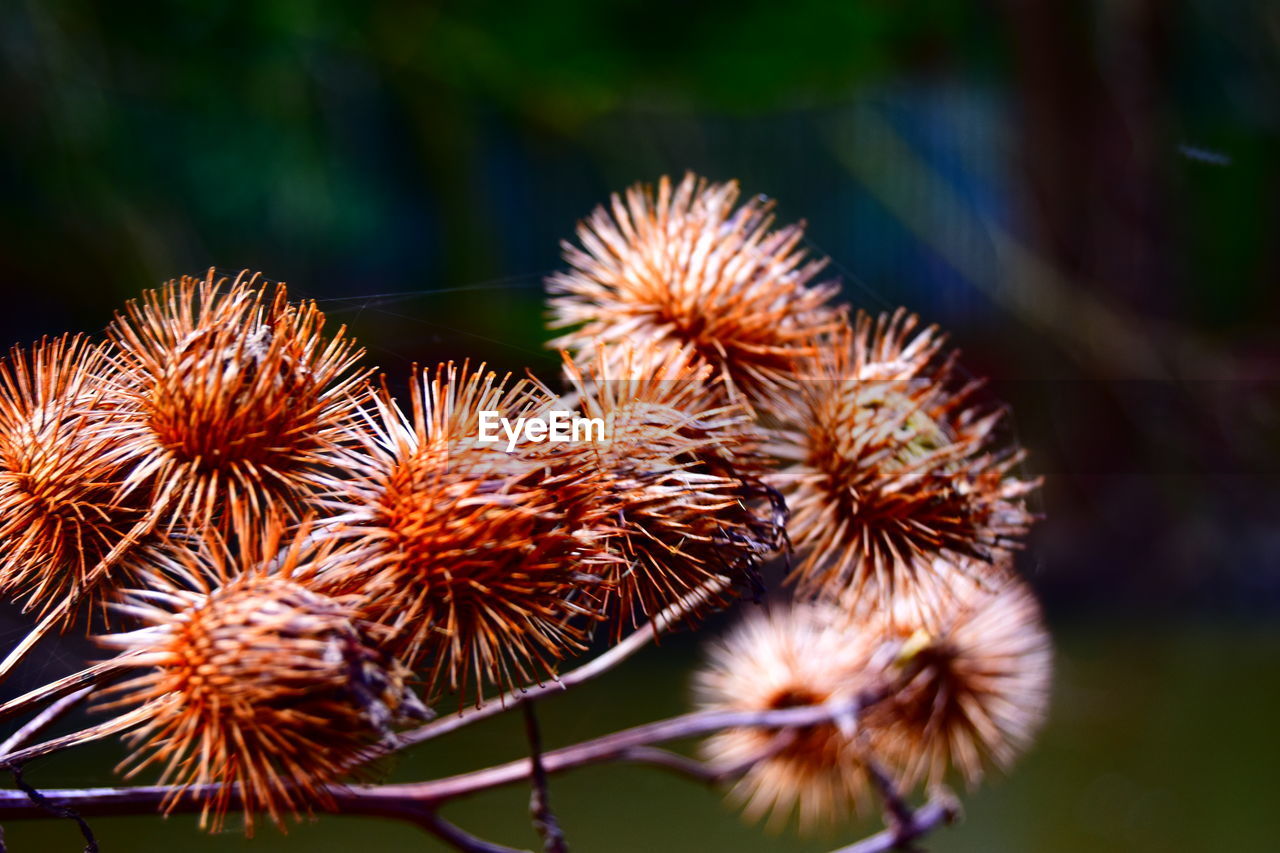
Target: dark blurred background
<point>1086,195</point>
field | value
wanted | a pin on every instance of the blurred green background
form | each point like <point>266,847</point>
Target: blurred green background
<point>1086,195</point>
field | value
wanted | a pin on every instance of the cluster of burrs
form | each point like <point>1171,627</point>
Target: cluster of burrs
<point>292,563</point>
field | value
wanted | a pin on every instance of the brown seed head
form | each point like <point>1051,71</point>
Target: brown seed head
<point>684,268</point>
<point>796,655</point>
<point>983,665</point>
<point>475,557</point>
<point>678,476</point>
<point>261,683</point>
<point>891,464</point>
<point>235,400</point>
<point>60,472</point>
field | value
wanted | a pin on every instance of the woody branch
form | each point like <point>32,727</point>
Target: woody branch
<point>418,802</point>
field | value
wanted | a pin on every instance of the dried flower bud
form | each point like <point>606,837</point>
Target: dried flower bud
<point>890,465</point>
<point>263,684</point>
<point>235,401</point>
<point>473,556</point>
<point>62,531</point>
<point>685,510</point>
<point>685,269</point>
<point>982,664</point>
<point>798,655</point>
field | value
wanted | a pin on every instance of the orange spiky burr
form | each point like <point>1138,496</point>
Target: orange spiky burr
<point>234,400</point>
<point>678,469</point>
<point>63,533</point>
<point>890,464</point>
<point>685,268</point>
<point>476,559</point>
<point>794,655</point>
<point>253,681</point>
<point>982,664</point>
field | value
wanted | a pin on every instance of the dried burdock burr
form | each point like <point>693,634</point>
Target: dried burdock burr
<point>233,398</point>
<point>478,560</point>
<point>790,656</point>
<point>981,665</point>
<point>260,684</point>
<point>678,468</point>
<point>889,462</point>
<point>64,535</point>
<point>687,267</point>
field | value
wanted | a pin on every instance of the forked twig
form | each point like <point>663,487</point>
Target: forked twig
<point>601,664</point>
<point>619,746</point>
<point>418,802</point>
<point>924,820</point>
<point>391,799</point>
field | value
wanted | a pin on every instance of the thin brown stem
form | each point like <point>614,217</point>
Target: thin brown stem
<point>897,810</point>
<point>459,838</point>
<point>544,819</point>
<point>615,746</point>
<point>382,800</point>
<point>38,799</point>
<point>924,820</point>
<point>700,771</point>
<point>596,667</point>
<point>142,800</point>
<point>418,802</point>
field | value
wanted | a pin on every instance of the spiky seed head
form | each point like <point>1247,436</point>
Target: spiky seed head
<point>982,663</point>
<point>890,463</point>
<point>262,684</point>
<point>60,472</point>
<point>235,400</point>
<point>790,656</point>
<point>473,556</point>
<point>688,267</point>
<point>678,470</point>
